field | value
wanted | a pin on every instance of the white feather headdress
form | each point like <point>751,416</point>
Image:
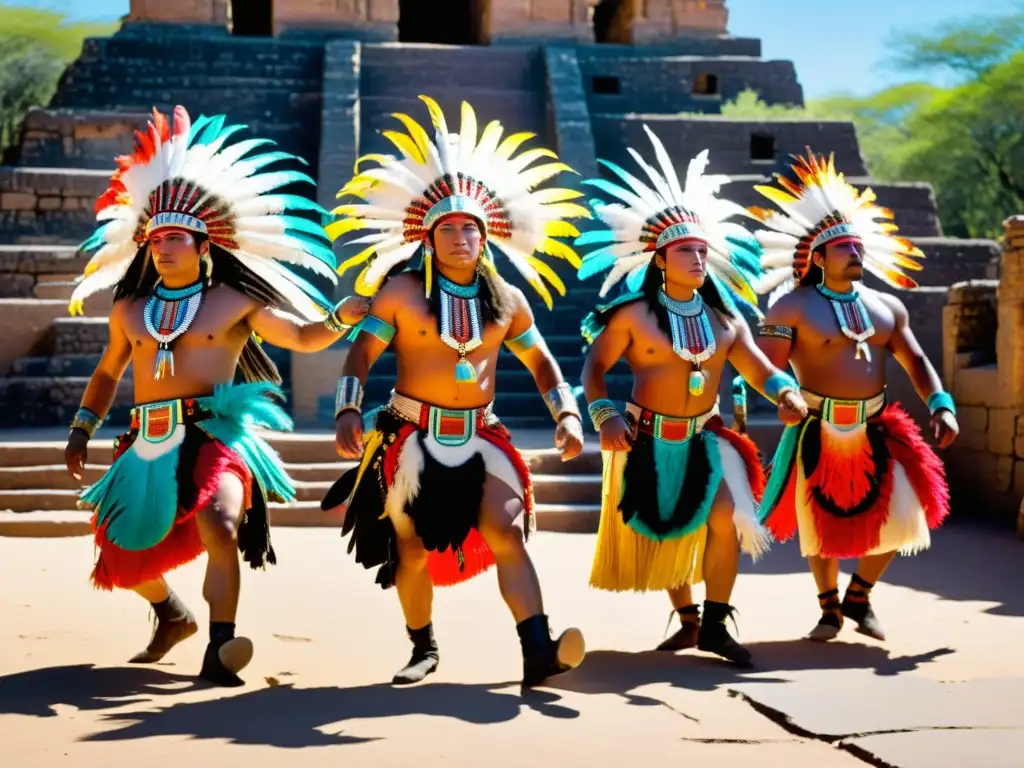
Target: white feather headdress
<point>458,173</point>
<point>822,207</point>
<point>648,218</point>
<point>181,175</point>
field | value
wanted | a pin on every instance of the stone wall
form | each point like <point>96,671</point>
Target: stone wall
<point>64,138</point>
<point>569,120</point>
<point>983,339</point>
<point>48,205</point>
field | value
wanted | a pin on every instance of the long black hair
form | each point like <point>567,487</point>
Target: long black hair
<point>141,277</point>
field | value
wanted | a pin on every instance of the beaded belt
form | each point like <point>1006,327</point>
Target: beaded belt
<point>156,422</point>
<point>448,426</point>
<point>844,413</point>
<point>669,429</point>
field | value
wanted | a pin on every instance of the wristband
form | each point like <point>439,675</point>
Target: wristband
<point>349,396</point>
<point>600,411</point>
<point>333,322</point>
<point>939,400</point>
<point>779,384</point>
<point>561,401</point>
<point>87,421</point>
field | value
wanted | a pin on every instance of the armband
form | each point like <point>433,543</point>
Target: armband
<point>333,322</point>
<point>776,331</point>
<point>87,421</point>
<point>600,411</point>
<point>528,338</point>
<point>939,400</point>
<point>561,401</point>
<point>349,396</point>
<point>778,384</point>
<point>375,327</point>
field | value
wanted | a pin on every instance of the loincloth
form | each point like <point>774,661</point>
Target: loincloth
<point>657,497</point>
<point>424,468</point>
<point>168,466</point>
<point>855,478</point>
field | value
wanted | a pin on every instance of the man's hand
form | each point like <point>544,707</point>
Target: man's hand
<point>944,427</point>
<point>348,439</point>
<point>353,309</point>
<point>77,453</point>
<point>569,437</point>
<point>792,408</point>
<point>616,435</point>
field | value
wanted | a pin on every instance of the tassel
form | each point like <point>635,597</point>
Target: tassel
<point>464,371</point>
<point>164,363</point>
<point>696,382</point>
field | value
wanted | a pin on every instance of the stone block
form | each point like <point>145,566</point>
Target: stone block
<point>1002,428</point>
<point>50,203</point>
<point>973,418</point>
<point>1004,473</point>
<point>1018,478</point>
<point>973,439</point>
<point>975,387</point>
<point>16,286</point>
<point>17,201</point>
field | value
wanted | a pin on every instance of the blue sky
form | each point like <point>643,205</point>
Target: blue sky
<point>851,59</point>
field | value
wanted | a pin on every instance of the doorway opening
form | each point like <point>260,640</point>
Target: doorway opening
<point>252,18</point>
<point>611,21</point>
<point>443,22</point>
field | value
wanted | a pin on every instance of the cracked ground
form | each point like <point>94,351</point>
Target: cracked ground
<point>945,689</point>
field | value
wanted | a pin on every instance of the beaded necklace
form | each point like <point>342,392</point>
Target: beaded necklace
<point>461,328</point>
<point>168,314</point>
<point>854,321</point>
<point>693,338</point>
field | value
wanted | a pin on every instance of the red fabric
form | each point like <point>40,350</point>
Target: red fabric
<point>747,449</point>
<point>122,568</point>
<point>443,567</point>
<point>841,474</point>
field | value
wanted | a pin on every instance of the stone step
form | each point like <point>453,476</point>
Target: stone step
<point>73,138</point>
<point>80,335</point>
<point>548,489</point>
<point>386,68</point>
<point>34,401</point>
<point>49,205</point>
<point>559,518</point>
<point>159,50</point>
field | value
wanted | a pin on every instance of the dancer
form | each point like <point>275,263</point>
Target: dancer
<point>856,479</point>
<point>196,252</point>
<point>680,490</point>
<point>438,494</point>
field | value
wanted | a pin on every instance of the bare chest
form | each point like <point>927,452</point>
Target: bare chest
<point>218,321</point>
<point>834,325</point>
<point>683,339</point>
<point>420,332</point>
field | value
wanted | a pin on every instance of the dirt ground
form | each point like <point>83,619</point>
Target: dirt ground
<point>944,690</point>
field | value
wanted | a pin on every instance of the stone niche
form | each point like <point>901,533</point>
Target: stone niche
<point>651,21</point>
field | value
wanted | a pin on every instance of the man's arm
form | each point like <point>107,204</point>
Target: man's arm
<point>760,371</point>
<point>102,388</point>
<point>284,331</point>
<point>373,336</point>
<point>607,349</point>
<point>777,332</point>
<point>908,353</point>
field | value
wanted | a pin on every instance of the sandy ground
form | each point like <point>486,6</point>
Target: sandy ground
<point>943,690</point>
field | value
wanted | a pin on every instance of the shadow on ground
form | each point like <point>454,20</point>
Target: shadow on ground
<point>968,560</point>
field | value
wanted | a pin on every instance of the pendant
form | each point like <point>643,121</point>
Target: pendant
<point>164,363</point>
<point>461,324</point>
<point>464,370</point>
<point>698,380</point>
<point>168,314</point>
<point>863,349</point>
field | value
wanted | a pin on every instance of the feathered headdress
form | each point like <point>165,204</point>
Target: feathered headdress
<point>457,173</point>
<point>648,219</point>
<point>181,175</point>
<point>822,207</point>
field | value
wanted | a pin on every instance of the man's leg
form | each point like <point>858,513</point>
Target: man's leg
<point>856,602</point>
<point>681,598</point>
<point>501,527</point>
<point>721,565</point>
<point>826,577</point>
<point>226,655</point>
<point>416,594</point>
<point>173,621</point>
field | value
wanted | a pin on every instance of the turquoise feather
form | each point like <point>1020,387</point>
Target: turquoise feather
<point>595,236</point>
<point>137,500</point>
<point>782,463</point>
<point>635,281</point>
<point>596,261</point>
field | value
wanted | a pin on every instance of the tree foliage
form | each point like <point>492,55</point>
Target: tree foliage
<point>966,140</point>
<point>35,46</point>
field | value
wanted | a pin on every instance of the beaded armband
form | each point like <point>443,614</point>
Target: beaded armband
<point>779,384</point>
<point>375,327</point>
<point>600,411</point>
<point>349,396</point>
<point>939,400</point>
<point>561,401</point>
<point>775,331</point>
<point>524,341</point>
<point>333,322</point>
<point>87,421</point>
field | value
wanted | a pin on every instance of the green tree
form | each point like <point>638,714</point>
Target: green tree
<point>35,46</point>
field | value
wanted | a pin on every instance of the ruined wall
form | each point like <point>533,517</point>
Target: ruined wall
<point>983,338</point>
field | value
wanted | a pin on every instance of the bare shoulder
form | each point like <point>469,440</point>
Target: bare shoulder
<point>887,300</point>
<point>789,308</point>
<point>628,316</point>
<point>397,292</point>
<point>234,297</point>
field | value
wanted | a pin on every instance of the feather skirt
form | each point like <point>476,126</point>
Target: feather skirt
<point>655,503</point>
<point>849,493</point>
<point>408,481</point>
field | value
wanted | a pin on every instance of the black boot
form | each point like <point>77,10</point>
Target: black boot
<point>831,620</point>
<point>226,656</point>
<point>172,623</point>
<point>425,656</point>
<point>544,657</point>
<point>715,638</point>
<point>857,606</point>
<point>686,635</point>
